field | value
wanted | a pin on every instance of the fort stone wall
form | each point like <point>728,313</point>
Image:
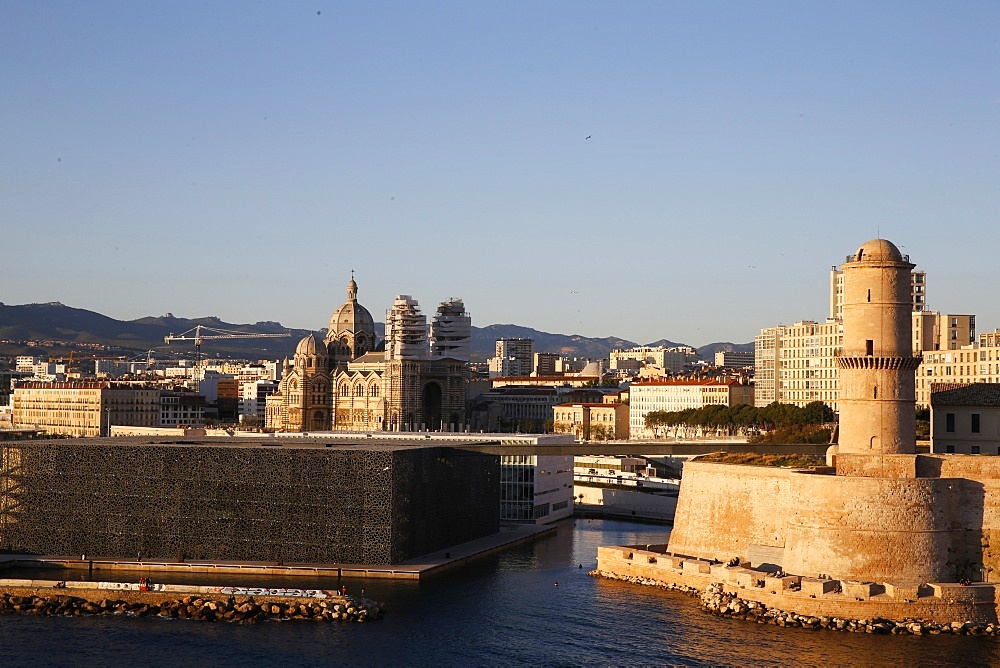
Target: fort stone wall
<point>724,509</point>
<point>879,529</point>
<point>936,602</point>
<point>941,526</point>
<point>888,515</point>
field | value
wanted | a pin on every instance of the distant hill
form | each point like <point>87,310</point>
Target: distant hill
<point>67,328</point>
<point>484,342</point>
<point>707,352</point>
<point>55,322</point>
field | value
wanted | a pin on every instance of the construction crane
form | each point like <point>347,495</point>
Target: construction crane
<point>148,358</point>
<point>195,334</point>
<point>67,361</point>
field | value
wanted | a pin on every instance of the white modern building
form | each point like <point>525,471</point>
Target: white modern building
<point>253,398</point>
<point>514,357</point>
<point>451,331</point>
<point>734,359</point>
<point>670,360</point>
<point>405,330</point>
<point>673,395</point>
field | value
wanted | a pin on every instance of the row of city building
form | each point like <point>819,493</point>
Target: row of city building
<point>516,358</point>
<point>796,364</point>
<point>418,378</point>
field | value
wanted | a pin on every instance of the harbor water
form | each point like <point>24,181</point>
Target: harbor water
<point>532,605</point>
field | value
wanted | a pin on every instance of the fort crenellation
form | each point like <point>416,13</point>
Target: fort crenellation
<point>888,525</point>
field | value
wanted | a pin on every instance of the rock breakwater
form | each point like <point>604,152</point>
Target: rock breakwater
<point>720,602</point>
<point>716,600</point>
<point>245,610</point>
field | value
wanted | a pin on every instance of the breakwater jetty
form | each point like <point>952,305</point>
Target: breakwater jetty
<point>765,595</point>
<point>222,604</point>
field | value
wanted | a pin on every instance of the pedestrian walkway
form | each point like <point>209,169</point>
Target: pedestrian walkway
<point>415,569</point>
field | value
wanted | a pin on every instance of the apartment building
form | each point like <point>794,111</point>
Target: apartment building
<point>965,418</point>
<point>918,291</point>
<point>797,364</point>
<point>978,362</point>
<point>942,331</point>
<point>681,394</point>
<point>989,357</point>
<point>545,364</point>
<point>514,357</point>
<point>734,359</point>
<point>592,421</point>
<point>83,408</point>
<point>26,363</point>
<point>181,409</point>
<point>671,360</point>
<point>253,398</point>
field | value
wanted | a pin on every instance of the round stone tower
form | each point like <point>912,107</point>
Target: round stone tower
<point>877,366</point>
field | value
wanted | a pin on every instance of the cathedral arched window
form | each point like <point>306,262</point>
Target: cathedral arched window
<point>359,390</point>
<point>373,391</point>
<point>345,390</point>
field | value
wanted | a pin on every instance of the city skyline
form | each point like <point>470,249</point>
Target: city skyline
<point>644,171</point>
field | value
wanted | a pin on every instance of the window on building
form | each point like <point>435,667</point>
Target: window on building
<point>975,449</point>
<point>869,347</point>
<point>950,449</point>
<point>949,422</point>
<point>975,423</point>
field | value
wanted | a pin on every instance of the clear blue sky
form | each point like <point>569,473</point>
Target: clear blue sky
<point>239,159</point>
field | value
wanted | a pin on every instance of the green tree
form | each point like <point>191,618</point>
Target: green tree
<point>656,420</point>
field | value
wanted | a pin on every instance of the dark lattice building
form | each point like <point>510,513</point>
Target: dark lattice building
<point>367,503</point>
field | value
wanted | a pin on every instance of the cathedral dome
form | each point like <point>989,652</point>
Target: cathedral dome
<point>878,250</point>
<point>311,345</point>
<point>352,317</point>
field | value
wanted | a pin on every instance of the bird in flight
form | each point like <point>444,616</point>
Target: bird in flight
<point>589,136</point>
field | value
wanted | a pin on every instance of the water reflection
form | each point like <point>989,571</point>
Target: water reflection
<point>501,611</point>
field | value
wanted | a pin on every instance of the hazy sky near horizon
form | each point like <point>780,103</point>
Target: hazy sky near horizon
<point>679,170</point>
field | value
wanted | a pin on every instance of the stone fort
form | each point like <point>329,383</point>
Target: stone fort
<point>879,512</point>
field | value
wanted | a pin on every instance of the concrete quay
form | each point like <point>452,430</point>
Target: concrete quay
<point>417,569</point>
<point>942,604</point>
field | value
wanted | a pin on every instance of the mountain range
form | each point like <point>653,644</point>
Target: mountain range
<point>55,329</point>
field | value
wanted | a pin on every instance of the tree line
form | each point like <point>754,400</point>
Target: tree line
<point>787,419</point>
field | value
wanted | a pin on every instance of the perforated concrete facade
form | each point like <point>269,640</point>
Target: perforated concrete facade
<point>367,504</point>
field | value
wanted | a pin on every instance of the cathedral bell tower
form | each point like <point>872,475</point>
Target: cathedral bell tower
<point>877,366</point>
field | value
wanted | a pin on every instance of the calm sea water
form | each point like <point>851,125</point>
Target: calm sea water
<point>504,611</point>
